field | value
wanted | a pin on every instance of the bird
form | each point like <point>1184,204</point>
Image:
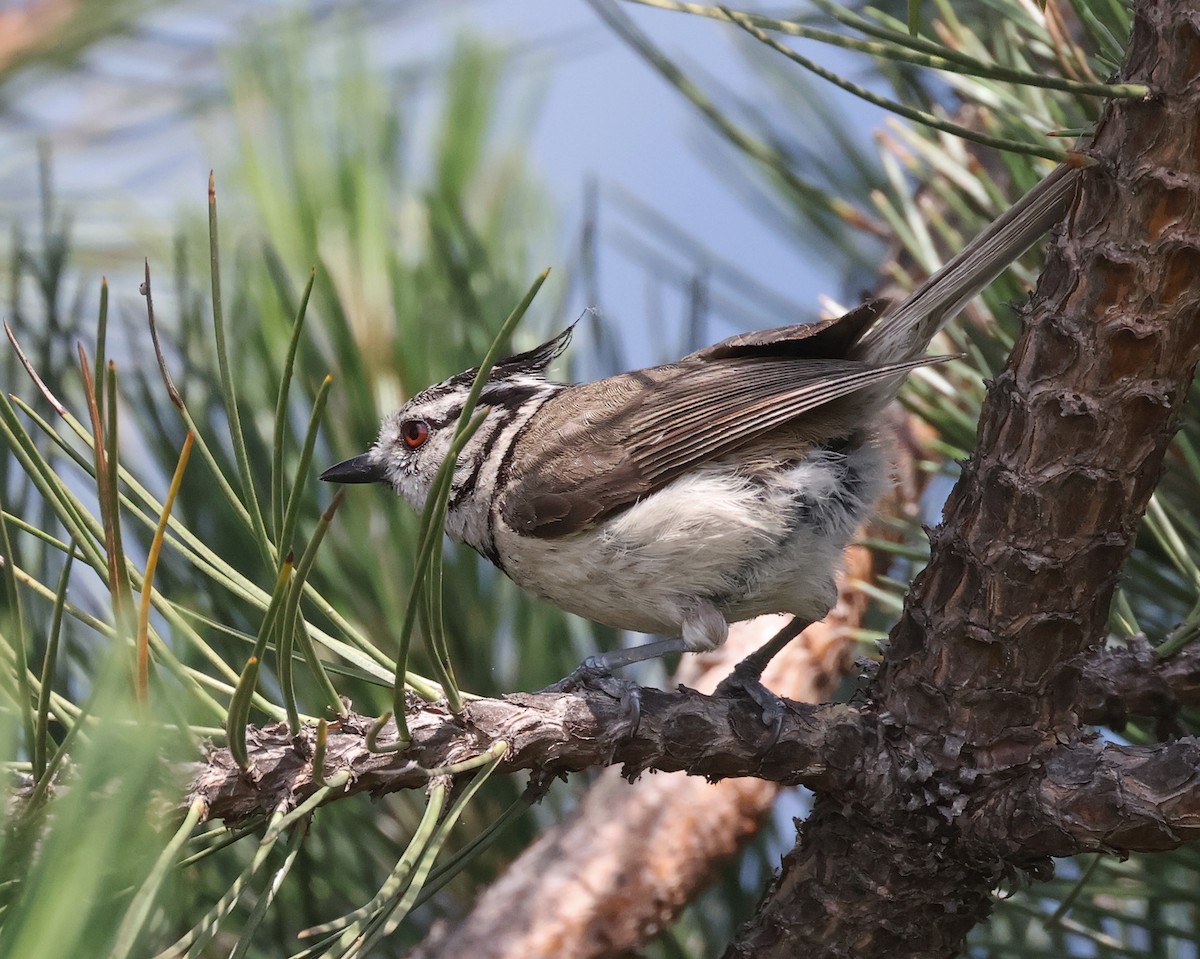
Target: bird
<point>677,499</point>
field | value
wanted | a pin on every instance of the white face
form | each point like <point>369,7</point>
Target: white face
<point>414,441</point>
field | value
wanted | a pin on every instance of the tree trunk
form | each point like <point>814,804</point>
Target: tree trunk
<point>983,768</point>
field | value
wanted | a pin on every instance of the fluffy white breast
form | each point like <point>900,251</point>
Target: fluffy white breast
<point>714,539</point>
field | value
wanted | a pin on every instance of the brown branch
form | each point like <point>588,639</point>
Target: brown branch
<point>550,734</point>
<point>716,738</point>
<point>1112,685</point>
<point>1097,797</point>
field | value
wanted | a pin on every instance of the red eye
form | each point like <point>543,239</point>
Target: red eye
<point>414,433</point>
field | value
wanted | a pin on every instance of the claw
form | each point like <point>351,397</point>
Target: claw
<point>590,673</point>
<point>746,682</point>
<point>594,673</point>
<point>746,679</point>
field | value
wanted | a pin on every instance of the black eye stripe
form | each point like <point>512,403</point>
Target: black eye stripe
<point>501,396</point>
<point>507,397</point>
<point>440,422</point>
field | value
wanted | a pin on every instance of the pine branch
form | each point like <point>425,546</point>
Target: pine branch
<point>549,734</point>
<point>1094,796</point>
<point>1085,796</point>
<point>1115,684</point>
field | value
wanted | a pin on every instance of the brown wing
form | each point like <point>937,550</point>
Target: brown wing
<point>606,444</point>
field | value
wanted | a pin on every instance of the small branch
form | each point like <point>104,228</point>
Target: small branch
<point>551,734</point>
<point>1093,796</point>
<point>1115,684</point>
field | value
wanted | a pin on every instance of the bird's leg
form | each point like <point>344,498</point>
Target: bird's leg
<point>601,665</point>
<point>620,658</point>
<point>702,627</point>
<point>747,675</point>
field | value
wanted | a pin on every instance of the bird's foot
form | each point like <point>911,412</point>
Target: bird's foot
<point>595,673</point>
<point>746,680</point>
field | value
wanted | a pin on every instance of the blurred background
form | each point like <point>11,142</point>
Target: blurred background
<point>428,160</point>
<point>146,98</point>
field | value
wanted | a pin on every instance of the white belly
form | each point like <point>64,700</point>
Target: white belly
<point>712,538</point>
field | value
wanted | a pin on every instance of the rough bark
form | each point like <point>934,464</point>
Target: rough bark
<point>833,748</point>
<point>1113,685</point>
<point>549,733</point>
<point>993,772</point>
<point>1095,796</point>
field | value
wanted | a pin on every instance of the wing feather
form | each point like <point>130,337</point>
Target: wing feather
<point>599,447</point>
<point>761,417</point>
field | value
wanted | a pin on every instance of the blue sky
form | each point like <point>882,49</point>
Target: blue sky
<point>608,115</point>
<point>605,117</point>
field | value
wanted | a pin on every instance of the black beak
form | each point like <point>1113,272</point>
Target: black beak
<point>357,469</point>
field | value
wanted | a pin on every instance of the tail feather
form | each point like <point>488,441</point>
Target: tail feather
<point>904,331</point>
